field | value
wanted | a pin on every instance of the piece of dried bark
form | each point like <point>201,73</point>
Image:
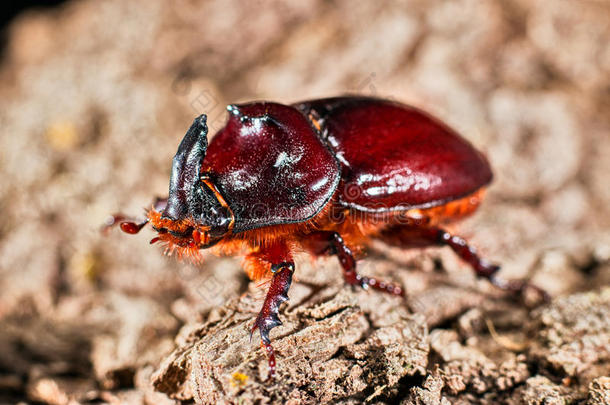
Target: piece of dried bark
<point>62,391</point>
<point>466,368</point>
<point>428,394</point>
<point>540,390</point>
<point>327,350</point>
<point>599,391</point>
<point>573,335</point>
<point>139,336</point>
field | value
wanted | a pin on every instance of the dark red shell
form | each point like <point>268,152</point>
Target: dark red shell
<point>394,156</point>
<point>271,166</point>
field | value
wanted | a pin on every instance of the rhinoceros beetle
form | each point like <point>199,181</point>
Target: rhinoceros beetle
<point>324,176</point>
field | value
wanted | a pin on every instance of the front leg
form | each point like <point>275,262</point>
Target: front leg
<point>275,261</point>
<point>268,317</point>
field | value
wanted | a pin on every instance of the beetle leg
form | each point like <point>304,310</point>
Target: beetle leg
<point>328,242</point>
<point>422,236</point>
<point>268,317</point>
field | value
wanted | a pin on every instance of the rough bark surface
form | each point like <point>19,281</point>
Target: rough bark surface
<point>95,98</point>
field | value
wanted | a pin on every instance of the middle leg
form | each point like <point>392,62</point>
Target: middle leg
<point>329,242</point>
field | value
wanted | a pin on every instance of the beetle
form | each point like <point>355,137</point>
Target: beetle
<point>324,176</point>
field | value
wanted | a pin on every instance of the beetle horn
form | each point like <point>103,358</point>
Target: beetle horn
<point>185,169</point>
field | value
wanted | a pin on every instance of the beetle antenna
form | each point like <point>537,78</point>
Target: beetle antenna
<point>126,223</point>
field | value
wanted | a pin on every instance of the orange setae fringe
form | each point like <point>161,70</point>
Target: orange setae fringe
<point>264,246</point>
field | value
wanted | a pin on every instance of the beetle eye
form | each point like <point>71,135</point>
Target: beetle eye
<point>184,234</point>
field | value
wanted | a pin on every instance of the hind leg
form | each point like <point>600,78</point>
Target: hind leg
<point>422,235</point>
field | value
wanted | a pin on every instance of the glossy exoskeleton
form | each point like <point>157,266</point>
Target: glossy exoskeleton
<point>325,176</point>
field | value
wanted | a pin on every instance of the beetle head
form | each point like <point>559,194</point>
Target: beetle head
<point>195,216</point>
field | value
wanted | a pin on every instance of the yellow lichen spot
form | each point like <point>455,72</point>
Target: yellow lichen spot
<point>85,266</point>
<point>239,379</point>
<point>62,135</point>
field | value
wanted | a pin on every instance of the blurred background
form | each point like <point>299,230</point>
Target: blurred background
<point>96,96</point>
